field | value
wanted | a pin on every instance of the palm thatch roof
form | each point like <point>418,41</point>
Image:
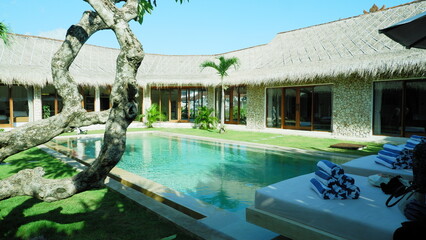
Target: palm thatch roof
<point>336,50</point>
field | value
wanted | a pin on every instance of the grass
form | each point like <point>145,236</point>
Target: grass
<point>106,214</point>
<point>95,214</point>
<point>301,142</point>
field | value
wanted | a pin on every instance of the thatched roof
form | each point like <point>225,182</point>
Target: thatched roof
<point>337,49</point>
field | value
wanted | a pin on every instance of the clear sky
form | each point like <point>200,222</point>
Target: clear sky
<point>195,27</point>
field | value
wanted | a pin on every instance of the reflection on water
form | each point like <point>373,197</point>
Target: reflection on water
<point>225,175</point>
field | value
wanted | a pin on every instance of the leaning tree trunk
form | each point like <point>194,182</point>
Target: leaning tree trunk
<point>124,109</point>
<point>72,115</point>
<point>222,106</point>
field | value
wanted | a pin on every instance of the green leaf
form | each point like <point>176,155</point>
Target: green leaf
<point>147,6</point>
<point>170,238</point>
<point>4,33</point>
<point>143,8</point>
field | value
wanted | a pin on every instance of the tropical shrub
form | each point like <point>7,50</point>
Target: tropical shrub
<point>46,111</point>
<point>206,119</point>
<point>139,117</point>
<point>153,115</point>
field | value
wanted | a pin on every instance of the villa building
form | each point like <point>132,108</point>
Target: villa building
<point>341,77</point>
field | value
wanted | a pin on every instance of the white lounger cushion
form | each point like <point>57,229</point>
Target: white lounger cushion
<point>363,218</point>
<point>365,166</point>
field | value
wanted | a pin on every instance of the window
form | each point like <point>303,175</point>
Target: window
<point>273,107</point>
<point>13,105</point>
<point>235,105</point>
<point>104,93</point>
<point>303,108</point>
<point>88,94</point>
<point>399,108</point>
<point>5,119</point>
<point>322,108</point>
<point>179,104</point>
<point>51,101</point>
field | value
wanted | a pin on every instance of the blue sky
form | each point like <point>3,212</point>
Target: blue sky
<point>195,27</point>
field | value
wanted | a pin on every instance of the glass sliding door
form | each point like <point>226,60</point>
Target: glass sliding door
<point>164,105</point>
<point>20,104</point>
<point>415,108</point>
<point>51,102</point>
<point>14,107</point>
<point>184,104</point>
<point>88,94</point>
<point>179,104</point>
<point>235,103</point>
<point>273,107</point>
<point>242,105</point>
<point>302,108</point>
<point>104,93</point>
<point>174,99</point>
<point>322,108</point>
<point>290,107</point>
<point>388,108</point>
<point>305,107</point>
<point>5,99</point>
<point>228,94</point>
<point>399,108</point>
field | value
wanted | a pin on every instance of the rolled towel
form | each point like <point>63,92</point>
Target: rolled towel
<point>352,192</point>
<point>328,181</point>
<point>323,191</point>
<point>346,182</point>
<point>386,153</point>
<point>405,156</point>
<point>386,156</point>
<point>327,193</point>
<point>385,162</point>
<point>418,138</point>
<point>392,148</point>
<point>330,168</point>
<point>411,143</point>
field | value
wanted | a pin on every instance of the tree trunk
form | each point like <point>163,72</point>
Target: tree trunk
<point>72,115</point>
<point>222,105</point>
<point>122,113</point>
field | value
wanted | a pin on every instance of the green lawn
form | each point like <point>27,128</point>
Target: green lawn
<point>301,142</point>
<point>95,214</point>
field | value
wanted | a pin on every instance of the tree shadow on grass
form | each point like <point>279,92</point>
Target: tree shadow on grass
<point>96,214</point>
<point>35,157</point>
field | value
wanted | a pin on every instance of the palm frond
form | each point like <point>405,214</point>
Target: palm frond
<point>209,64</point>
<point>4,33</point>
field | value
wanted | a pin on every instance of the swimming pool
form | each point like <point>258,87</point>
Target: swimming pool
<point>222,174</point>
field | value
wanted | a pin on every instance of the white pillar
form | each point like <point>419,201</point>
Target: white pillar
<point>146,100</point>
<point>97,99</point>
<point>37,104</point>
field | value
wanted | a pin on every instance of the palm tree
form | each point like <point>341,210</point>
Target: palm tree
<point>4,30</point>
<point>222,68</point>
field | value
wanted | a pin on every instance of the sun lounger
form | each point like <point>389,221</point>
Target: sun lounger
<point>366,166</point>
<point>292,209</point>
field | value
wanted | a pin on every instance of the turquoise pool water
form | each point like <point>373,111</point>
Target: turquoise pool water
<point>222,174</point>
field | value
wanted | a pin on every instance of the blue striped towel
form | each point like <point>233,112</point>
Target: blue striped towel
<point>392,148</point>
<point>411,144</point>
<point>385,161</point>
<point>330,168</point>
<point>418,138</point>
<point>328,181</point>
<point>327,193</point>
<point>388,154</point>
